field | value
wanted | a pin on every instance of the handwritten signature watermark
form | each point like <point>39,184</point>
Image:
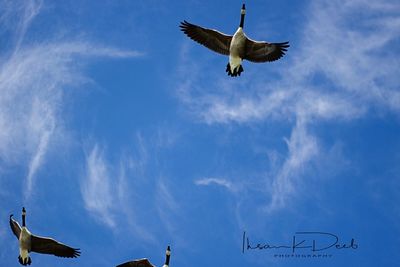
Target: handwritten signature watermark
<point>302,245</point>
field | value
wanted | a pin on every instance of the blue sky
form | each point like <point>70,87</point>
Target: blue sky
<point>121,136</point>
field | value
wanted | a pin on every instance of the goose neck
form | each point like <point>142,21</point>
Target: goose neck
<point>241,20</point>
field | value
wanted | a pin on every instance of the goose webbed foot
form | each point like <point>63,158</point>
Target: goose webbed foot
<point>236,71</point>
<point>24,262</point>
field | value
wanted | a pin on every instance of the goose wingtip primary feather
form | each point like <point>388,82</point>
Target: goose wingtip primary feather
<point>185,26</point>
<point>76,252</point>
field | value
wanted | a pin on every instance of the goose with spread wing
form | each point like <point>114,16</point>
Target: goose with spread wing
<point>238,46</point>
<point>145,262</point>
<point>32,243</point>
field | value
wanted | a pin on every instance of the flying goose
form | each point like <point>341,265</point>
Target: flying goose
<point>238,46</point>
<point>32,243</point>
<point>145,262</point>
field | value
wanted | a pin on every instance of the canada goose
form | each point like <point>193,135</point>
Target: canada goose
<point>238,46</point>
<point>31,243</point>
<point>145,262</point>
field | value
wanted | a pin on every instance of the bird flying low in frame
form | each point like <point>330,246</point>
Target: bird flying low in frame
<point>145,262</point>
<point>32,243</point>
<point>238,46</point>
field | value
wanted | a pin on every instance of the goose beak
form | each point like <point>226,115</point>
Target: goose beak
<point>243,6</point>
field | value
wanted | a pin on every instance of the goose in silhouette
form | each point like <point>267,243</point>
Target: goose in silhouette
<point>238,46</point>
<point>145,262</point>
<point>32,243</point>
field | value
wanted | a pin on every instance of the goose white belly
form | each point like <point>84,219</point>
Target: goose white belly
<point>24,244</point>
<point>236,49</point>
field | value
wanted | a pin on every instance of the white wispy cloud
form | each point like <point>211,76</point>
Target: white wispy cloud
<point>16,16</point>
<point>167,207</point>
<point>106,188</point>
<point>43,142</point>
<point>356,60</point>
<point>124,189</point>
<point>217,181</point>
<point>33,77</point>
<point>302,148</point>
<point>337,70</point>
<point>128,191</point>
<point>97,191</point>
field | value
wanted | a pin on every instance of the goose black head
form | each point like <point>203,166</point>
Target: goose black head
<point>167,256</point>
<point>242,13</point>
<point>23,216</point>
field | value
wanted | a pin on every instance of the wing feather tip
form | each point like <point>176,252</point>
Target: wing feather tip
<point>77,252</point>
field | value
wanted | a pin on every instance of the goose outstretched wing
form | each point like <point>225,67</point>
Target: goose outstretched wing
<point>15,227</point>
<point>212,39</point>
<point>263,51</point>
<point>47,245</point>
<point>137,263</point>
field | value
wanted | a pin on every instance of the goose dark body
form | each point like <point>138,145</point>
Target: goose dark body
<point>237,46</point>
<point>32,243</point>
<point>145,262</point>
<point>137,263</point>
